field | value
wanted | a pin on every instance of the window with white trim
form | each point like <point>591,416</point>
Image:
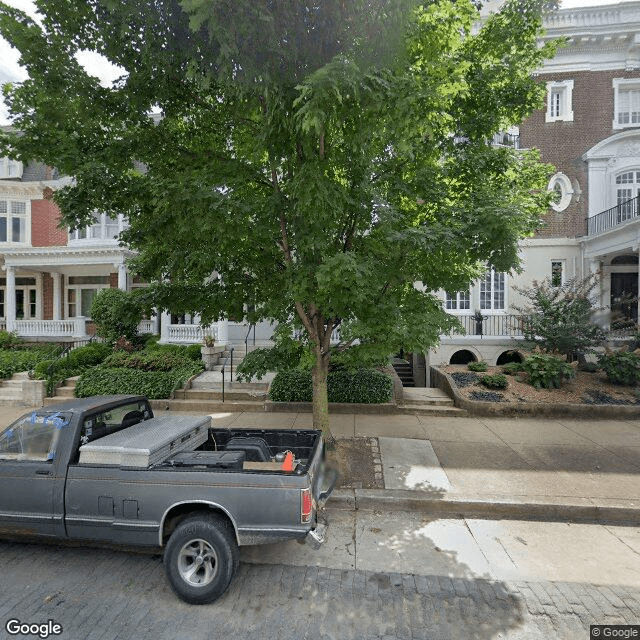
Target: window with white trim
<point>13,221</point>
<point>561,186</point>
<point>81,290</point>
<point>559,101</point>
<point>105,227</point>
<point>459,301</point>
<point>492,291</point>
<point>627,188</point>
<point>626,100</point>
<point>11,169</point>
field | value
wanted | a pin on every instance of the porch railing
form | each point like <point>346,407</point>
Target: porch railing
<point>492,325</point>
<point>185,333</point>
<point>146,326</point>
<point>611,218</point>
<point>73,327</point>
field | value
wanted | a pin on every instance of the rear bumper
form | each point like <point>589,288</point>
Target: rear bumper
<point>317,536</point>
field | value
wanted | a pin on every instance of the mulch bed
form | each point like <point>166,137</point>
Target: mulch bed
<point>584,388</point>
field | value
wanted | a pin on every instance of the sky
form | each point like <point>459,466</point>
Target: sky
<point>10,70</point>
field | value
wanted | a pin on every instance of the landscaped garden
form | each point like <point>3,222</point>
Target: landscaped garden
<point>612,379</point>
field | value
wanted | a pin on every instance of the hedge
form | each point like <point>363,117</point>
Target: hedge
<point>150,360</point>
<point>103,380</point>
<point>366,386</point>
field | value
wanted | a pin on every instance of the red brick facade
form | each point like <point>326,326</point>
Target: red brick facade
<point>44,225</point>
<point>562,144</point>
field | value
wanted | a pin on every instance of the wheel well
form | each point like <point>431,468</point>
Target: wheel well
<point>177,514</point>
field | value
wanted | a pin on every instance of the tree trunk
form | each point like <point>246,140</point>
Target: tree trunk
<point>320,397</point>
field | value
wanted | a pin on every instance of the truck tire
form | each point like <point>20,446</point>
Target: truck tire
<point>201,558</point>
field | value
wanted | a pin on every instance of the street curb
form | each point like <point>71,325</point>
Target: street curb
<point>546,509</point>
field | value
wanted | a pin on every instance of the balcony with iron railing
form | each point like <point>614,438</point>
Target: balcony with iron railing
<point>611,218</point>
<point>495,325</point>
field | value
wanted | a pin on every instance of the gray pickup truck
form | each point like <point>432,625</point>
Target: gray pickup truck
<point>105,469</point>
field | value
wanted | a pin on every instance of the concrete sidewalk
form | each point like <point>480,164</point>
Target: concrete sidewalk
<point>564,470</point>
<point>552,470</point>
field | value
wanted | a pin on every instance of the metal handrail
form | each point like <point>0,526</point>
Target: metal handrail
<point>224,365</point>
<point>614,216</point>
<point>246,338</point>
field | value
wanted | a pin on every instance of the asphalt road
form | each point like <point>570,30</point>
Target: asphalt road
<point>101,594</point>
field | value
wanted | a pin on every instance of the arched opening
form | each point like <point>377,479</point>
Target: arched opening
<point>509,356</point>
<point>464,356</point>
<point>625,259</point>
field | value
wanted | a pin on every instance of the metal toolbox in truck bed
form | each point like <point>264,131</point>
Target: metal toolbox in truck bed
<point>149,442</point>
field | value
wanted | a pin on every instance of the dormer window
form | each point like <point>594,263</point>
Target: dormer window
<point>10,169</point>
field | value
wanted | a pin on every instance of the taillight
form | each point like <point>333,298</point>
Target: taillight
<point>306,505</point>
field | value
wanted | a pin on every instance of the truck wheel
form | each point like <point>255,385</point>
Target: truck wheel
<point>201,558</point>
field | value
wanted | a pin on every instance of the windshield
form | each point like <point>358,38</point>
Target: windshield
<point>33,436</point>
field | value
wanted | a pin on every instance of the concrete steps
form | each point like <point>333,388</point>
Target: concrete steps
<point>64,392</point>
<point>11,394</point>
<point>428,401</point>
<point>404,371</point>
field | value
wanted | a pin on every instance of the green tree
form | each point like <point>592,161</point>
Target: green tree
<point>117,313</point>
<point>312,162</point>
<point>559,319</point>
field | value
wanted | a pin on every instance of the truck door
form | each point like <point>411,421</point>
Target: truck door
<point>28,479</point>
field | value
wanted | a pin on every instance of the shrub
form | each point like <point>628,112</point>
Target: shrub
<point>117,313</point>
<point>366,386</point>
<point>193,352</point>
<point>16,360</point>
<point>497,381</point>
<point>589,367</point>
<point>292,386</point>
<point>102,380</point>
<point>621,367</point>
<point>558,319</point>
<point>363,386</point>
<point>545,371</point>
<point>511,368</point>
<point>8,340</point>
<point>151,360</point>
<point>89,355</point>
<point>477,366</point>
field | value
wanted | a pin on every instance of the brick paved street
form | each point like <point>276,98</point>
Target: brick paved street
<point>98,594</point>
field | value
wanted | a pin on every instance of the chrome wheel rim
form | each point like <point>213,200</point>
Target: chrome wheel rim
<point>197,563</point>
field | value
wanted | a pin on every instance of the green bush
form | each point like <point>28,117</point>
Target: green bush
<point>477,366</point>
<point>621,367</point>
<point>366,386</point>
<point>89,355</point>
<point>8,340</point>
<point>157,360</point>
<point>545,371</point>
<point>193,352</point>
<point>102,380</point>
<point>511,368</point>
<point>497,381</point>
<point>291,386</point>
<point>117,313</point>
<point>589,367</point>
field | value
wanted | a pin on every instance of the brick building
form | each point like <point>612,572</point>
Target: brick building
<point>589,129</point>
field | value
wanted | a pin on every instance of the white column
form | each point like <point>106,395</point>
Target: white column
<point>80,327</point>
<point>57,291</point>
<point>10,302</point>
<point>223,331</point>
<point>39,296</point>
<point>165,321</point>
<point>122,276</point>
